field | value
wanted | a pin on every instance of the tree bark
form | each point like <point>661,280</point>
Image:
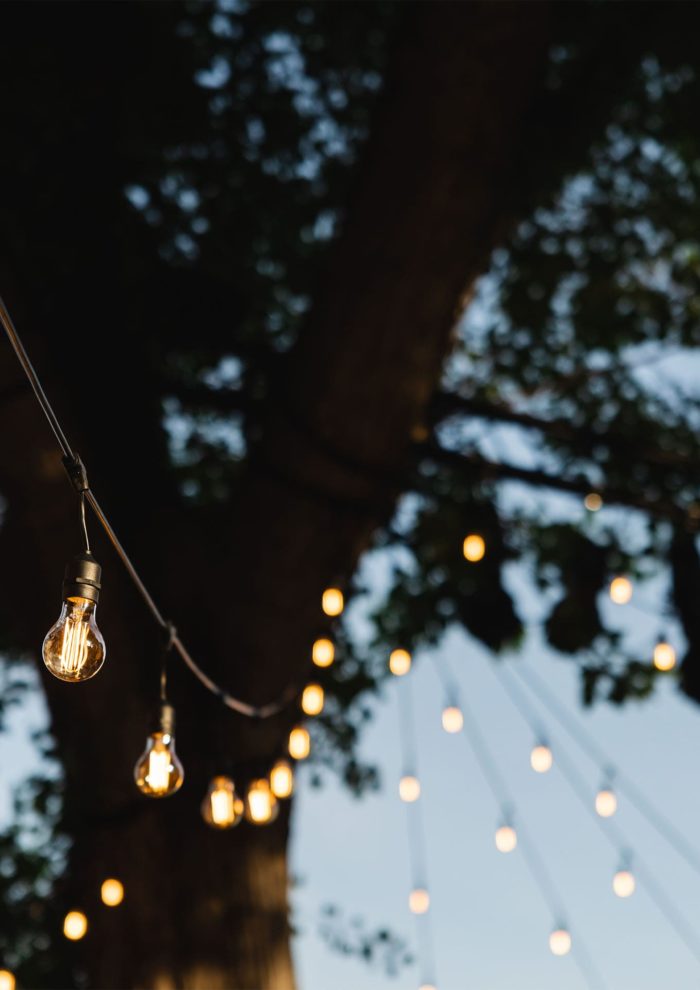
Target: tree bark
<point>207,910</point>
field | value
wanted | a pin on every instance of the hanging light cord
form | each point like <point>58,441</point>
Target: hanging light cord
<point>76,472</point>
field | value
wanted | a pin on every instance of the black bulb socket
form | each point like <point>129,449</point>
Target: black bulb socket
<point>83,578</point>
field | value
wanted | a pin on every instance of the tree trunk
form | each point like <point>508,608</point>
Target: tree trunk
<point>202,909</point>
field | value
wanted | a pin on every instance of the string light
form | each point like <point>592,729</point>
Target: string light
<point>427,986</point>
<point>158,772</point>
<point>7,980</point>
<point>606,802</point>
<point>282,779</point>
<point>474,548</point>
<point>312,699</point>
<point>419,900</point>
<point>560,942</point>
<point>75,926</point>
<point>400,662</point>
<point>332,602</point>
<point>74,649</point>
<point>621,590</point>
<point>664,656</point>
<point>112,892</point>
<point>323,652</point>
<point>506,838</point>
<point>541,758</point>
<point>409,788</point>
<point>222,807</point>
<point>299,743</point>
<point>452,719</point>
<point>624,883</point>
<point>261,806</point>
<point>593,502</point>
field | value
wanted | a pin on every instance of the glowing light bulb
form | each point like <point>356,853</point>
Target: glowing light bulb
<point>606,802</point>
<point>112,892</point>
<point>282,779</point>
<point>560,942</point>
<point>332,601</point>
<point>664,656</point>
<point>452,719</point>
<point>409,788</point>
<point>261,806</point>
<point>593,502</point>
<point>323,652</point>
<point>400,662</point>
<point>506,838</point>
<point>621,590</point>
<point>419,900</point>
<point>474,548</point>
<point>312,699</point>
<point>158,772</point>
<point>74,649</point>
<point>221,807</point>
<point>541,758</point>
<point>7,980</point>
<point>427,986</point>
<point>75,925</point>
<point>299,743</point>
<point>624,883</point>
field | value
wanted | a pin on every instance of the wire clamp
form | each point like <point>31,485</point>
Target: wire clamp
<point>75,469</point>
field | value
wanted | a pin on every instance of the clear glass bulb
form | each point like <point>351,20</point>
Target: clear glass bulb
<point>159,772</point>
<point>261,806</point>
<point>221,807</point>
<point>74,649</point>
<point>282,779</point>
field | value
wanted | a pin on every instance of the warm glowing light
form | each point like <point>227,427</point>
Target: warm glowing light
<point>624,883</point>
<point>560,942</point>
<point>222,807</point>
<point>664,656</point>
<point>112,892</point>
<point>474,548</point>
<point>74,649</point>
<point>419,900</point>
<point>7,980</point>
<point>400,662</point>
<point>541,758</point>
<point>159,772</point>
<point>621,590</point>
<point>427,986</point>
<point>332,601</point>
<point>452,719</point>
<point>606,802</point>
<point>312,699</point>
<point>323,652</point>
<point>299,743</point>
<point>593,502</point>
<point>506,838</point>
<point>409,788</point>
<point>261,806</point>
<point>75,925</point>
<point>282,779</point>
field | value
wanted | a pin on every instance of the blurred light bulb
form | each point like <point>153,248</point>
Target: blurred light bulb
<point>222,807</point>
<point>74,649</point>
<point>506,838</point>
<point>400,662</point>
<point>112,892</point>
<point>299,743</point>
<point>312,699</point>
<point>560,942</point>
<point>323,652</point>
<point>452,719</point>
<point>624,883</point>
<point>664,656</point>
<point>419,900</point>
<point>158,772</point>
<point>75,925</point>
<point>409,788</point>
<point>7,980</point>
<point>427,986</point>
<point>606,802</point>
<point>593,502</point>
<point>261,806</point>
<point>474,548</point>
<point>541,758</point>
<point>332,601</point>
<point>282,779</point>
<point>621,590</point>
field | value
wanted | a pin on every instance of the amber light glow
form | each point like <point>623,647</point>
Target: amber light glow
<point>312,699</point>
<point>400,662</point>
<point>452,719</point>
<point>75,925</point>
<point>222,807</point>
<point>74,649</point>
<point>506,838</point>
<point>606,802</point>
<point>593,502</point>
<point>7,980</point>
<point>474,548</point>
<point>664,656</point>
<point>409,788</point>
<point>159,772</point>
<point>299,743</point>
<point>541,758</point>
<point>419,900</point>
<point>621,590</point>
<point>112,892</point>
<point>624,883</point>
<point>282,779</point>
<point>332,601</point>
<point>323,652</point>
<point>261,806</point>
<point>560,942</point>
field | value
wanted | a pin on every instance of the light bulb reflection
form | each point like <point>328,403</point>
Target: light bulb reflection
<point>299,743</point>
<point>624,883</point>
<point>323,652</point>
<point>419,900</point>
<point>560,942</point>
<point>606,802</point>
<point>474,548</point>
<point>112,892</point>
<point>400,662</point>
<point>664,656</point>
<point>409,788</point>
<point>452,719</point>
<point>541,758</point>
<point>621,590</point>
<point>506,838</point>
<point>261,806</point>
<point>75,926</point>
<point>282,779</point>
<point>332,601</point>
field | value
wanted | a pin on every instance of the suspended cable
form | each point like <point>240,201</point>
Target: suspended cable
<point>77,474</point>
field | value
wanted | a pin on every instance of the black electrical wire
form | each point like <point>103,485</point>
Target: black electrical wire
<point>73,463</point>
